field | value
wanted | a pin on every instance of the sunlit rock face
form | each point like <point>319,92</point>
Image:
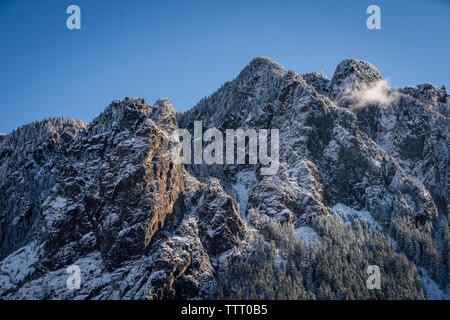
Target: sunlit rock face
<point>116,187</point>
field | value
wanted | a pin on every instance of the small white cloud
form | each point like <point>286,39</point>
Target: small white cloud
<point>378,92</point>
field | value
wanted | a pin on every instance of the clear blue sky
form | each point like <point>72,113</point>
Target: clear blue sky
<point>185,50</point>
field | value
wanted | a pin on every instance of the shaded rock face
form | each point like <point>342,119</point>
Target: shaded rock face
<point>185,261</point>
<point>320,83</point>
<point>221,227</point>
<point>415,131</point>
<point>30,159</point>
<point>349,166</point>
<point>325,158</point>
<point>256,87</point>
<point>141,226</point>
<point>385,153</point>
<point>181,266</point>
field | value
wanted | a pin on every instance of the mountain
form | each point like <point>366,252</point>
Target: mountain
<point>30,160</point>
<point>361,180</point>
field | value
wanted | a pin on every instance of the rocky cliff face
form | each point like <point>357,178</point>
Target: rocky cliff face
<point>109,197</point>
<point>116,186</point>
<point>122,209</point>
<point>30,160</point>
<point>352,141</point>
<point>327,155</point>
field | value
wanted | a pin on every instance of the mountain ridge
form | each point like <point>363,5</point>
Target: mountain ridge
<point>142,226</point>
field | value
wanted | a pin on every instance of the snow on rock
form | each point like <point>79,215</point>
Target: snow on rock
<point>53,285</point>
<point>19,265</point>
<point>307,234</point>
<point>30,159</point>
<point>279,259</point>
<point>245,180</point>
<point>347,214</point>
<point>432,290</point>
<point>181,260</point>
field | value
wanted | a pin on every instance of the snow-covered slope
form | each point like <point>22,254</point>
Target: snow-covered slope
<point>30,160</point>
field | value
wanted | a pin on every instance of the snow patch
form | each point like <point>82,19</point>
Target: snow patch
<point>244,182</point>
<point>58,203</point>
<point>242,197</point>
<point>307,234</point>
<point>279,259</point>
<point>432,290</point>
<point>20,264</point>
<point>347,214</point>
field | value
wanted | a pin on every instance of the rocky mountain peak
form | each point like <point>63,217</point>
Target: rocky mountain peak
<point>123,114</point>
<point>261,65</point>
<point>362,70</point>
<point>240,99</point>
<point>432,94</point>
<point>164,113</point>
<point>351,74</point>
<point>320,82</point>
